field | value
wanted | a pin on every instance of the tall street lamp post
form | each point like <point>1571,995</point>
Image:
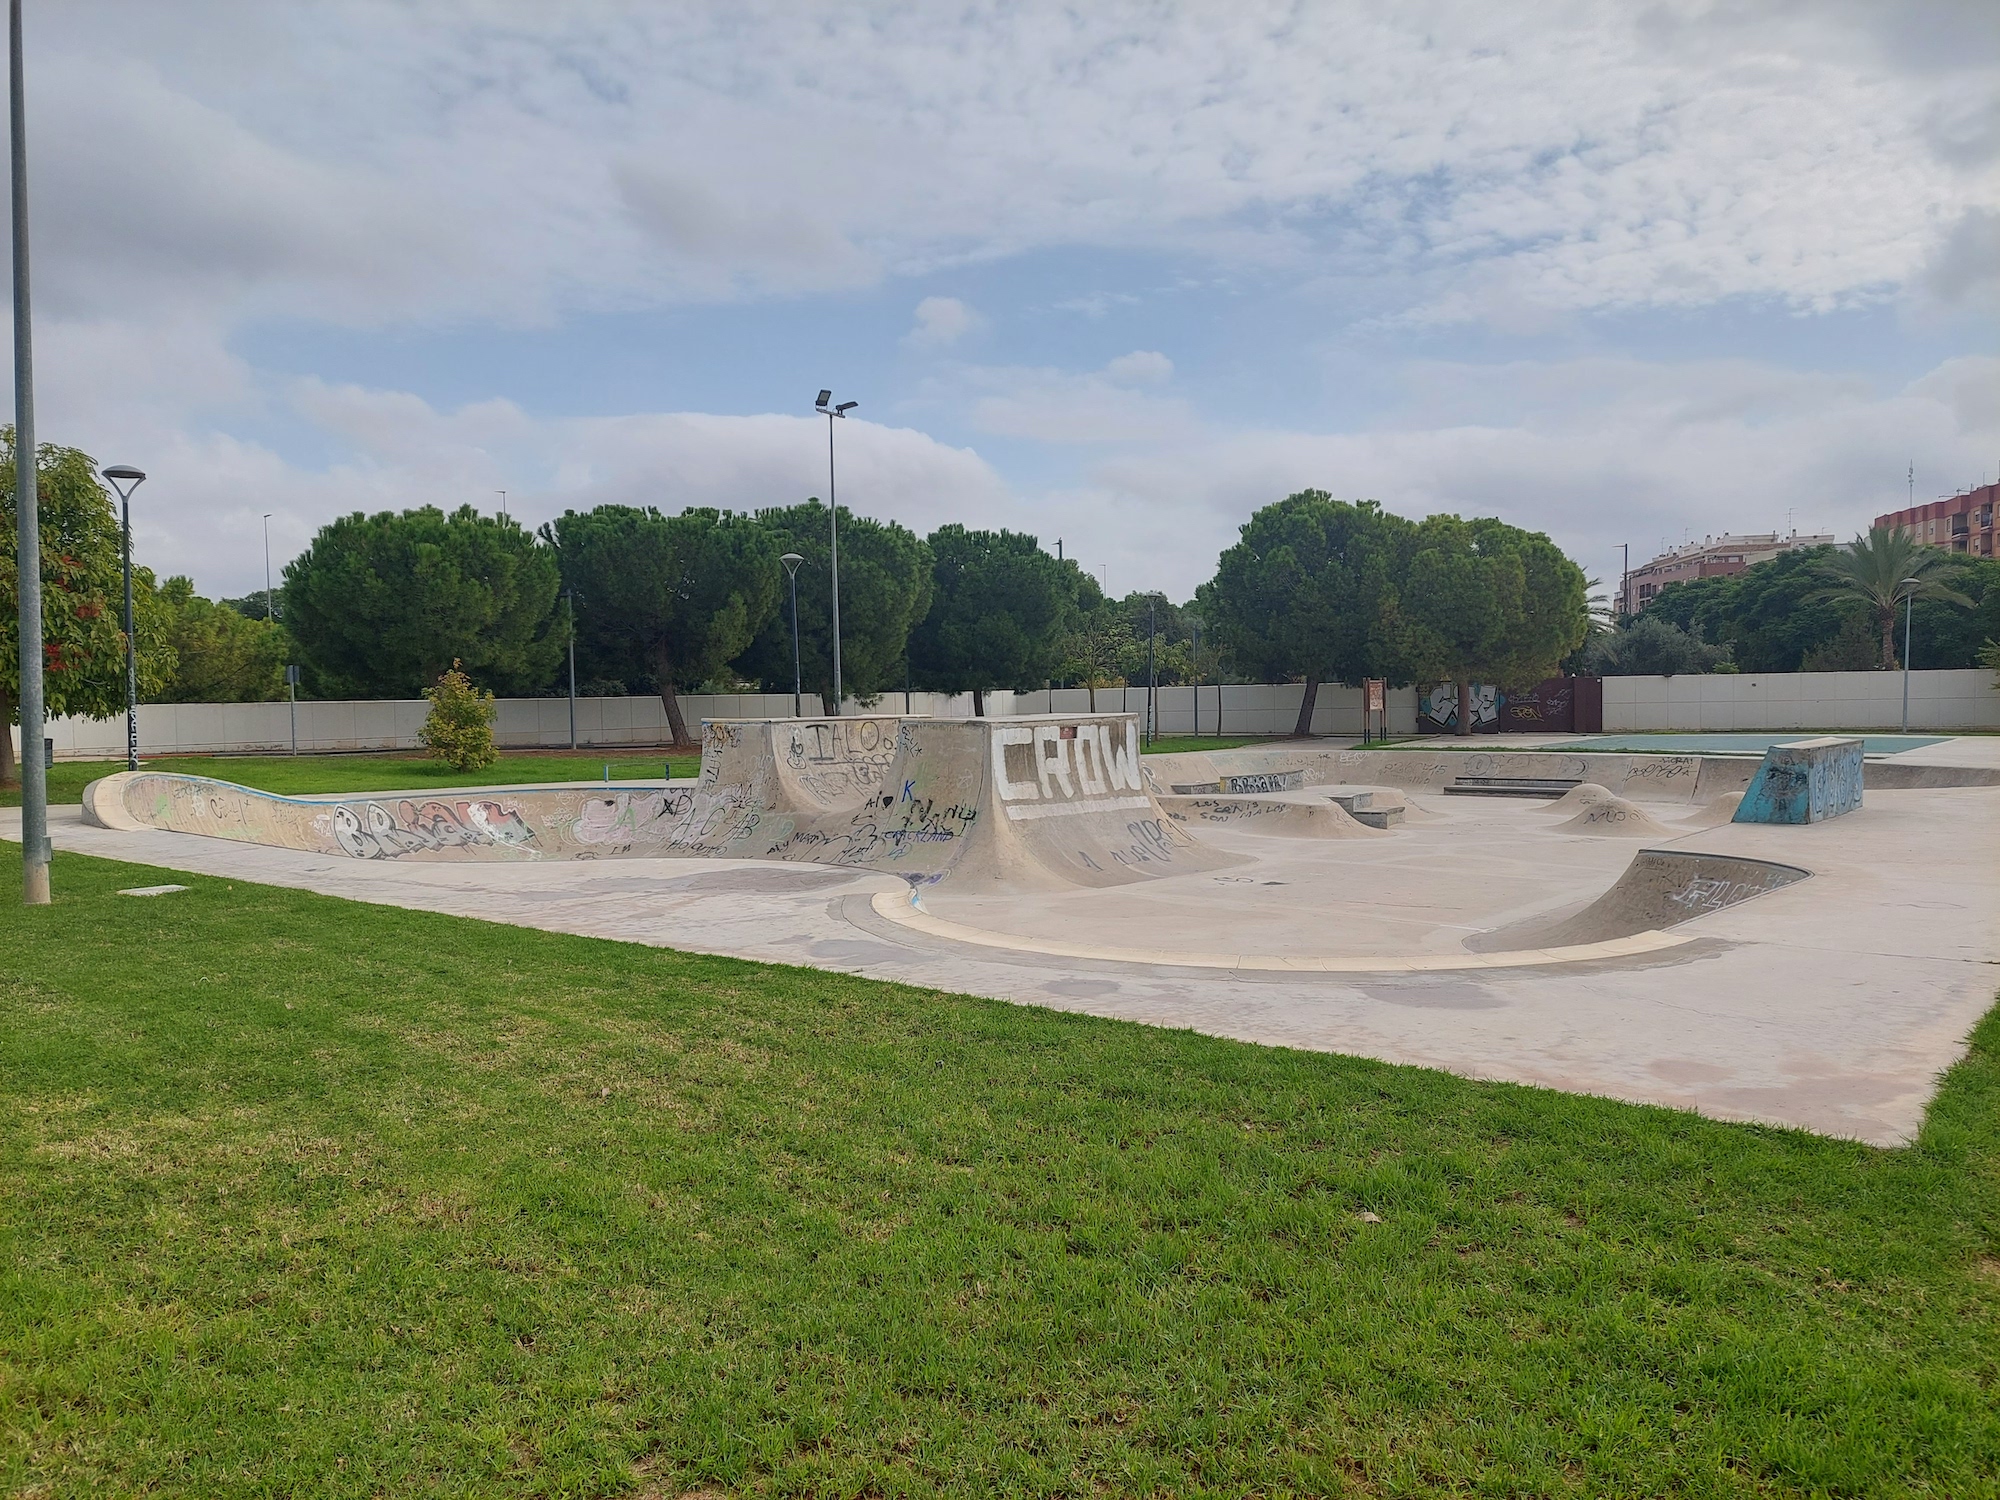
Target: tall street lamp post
<point>270,607</point>
<point>125,479</point>
<point>569,598</point>
<point>833,509</point>
<point>1909,587</point>
<point>791,560</point>
<point>28,546</point>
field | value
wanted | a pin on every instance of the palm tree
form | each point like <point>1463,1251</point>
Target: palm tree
<point>1881,570</point>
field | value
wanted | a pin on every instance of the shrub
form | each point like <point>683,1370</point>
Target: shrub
<point>459,728</point>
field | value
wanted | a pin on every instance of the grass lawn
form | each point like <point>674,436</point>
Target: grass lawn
<point>289,774</point>
<point>1173,744</point>
<point>310,1197</point>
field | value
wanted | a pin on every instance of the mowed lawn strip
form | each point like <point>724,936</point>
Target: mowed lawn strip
<point>311,775</point>
<point>311,1197</point>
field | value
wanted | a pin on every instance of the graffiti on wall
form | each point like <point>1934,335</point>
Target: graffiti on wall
<point>1437,708</point>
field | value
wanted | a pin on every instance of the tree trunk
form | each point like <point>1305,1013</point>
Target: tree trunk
<point>1464,706</point>
<point>1889,639</point>
<point>10,774</point>
<point>670,701</point>
<point>1306,704</point>
<point>979,703</point>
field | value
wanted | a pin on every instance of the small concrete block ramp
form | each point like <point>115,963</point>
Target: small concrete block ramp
<point>1807,781</point>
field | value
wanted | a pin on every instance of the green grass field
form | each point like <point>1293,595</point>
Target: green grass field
<point>307,1197</point>
<point>291,775</point>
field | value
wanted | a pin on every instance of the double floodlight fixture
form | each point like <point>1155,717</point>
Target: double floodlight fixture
<point>833,411</point>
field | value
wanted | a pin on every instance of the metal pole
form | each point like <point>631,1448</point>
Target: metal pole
<point>569,595</point>
<point>270,609</point>
<point>833,508</point>
<point>131,653</point>
<point>798,678</point>
<point>292,698</point>
<point>1152,676</point>
<point>1909,602</point>
<point>28,552</point>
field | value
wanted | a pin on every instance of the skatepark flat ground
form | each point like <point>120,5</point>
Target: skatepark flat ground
<point>1830,1005</point>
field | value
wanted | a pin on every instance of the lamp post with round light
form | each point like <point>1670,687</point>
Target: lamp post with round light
<point>791,560</point>
<point>125,479</point>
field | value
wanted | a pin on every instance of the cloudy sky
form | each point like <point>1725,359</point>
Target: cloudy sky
<point>1115,273</point>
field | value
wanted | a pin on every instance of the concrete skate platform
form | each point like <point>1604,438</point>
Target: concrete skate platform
<point>1626,939</point>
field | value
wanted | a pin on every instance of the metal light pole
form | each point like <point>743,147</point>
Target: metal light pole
<point>125,479</point>
<point>28,550</point>
<point>833,509</point>
<point>1910,586</point>
<point>791,560</point>
<point>569,597</point>
<point>1152,676</point>
<point>270,608</point>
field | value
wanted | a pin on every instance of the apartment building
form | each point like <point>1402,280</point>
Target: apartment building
<point>1711,557</point>
<point>1962,522</point>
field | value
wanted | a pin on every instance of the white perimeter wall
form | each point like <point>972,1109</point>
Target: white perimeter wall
<point>1801,700</point>
<point>1721,701</point>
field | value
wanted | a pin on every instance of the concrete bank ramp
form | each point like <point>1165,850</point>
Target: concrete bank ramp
<point>1661,888</point>
<point>1270,816</point>
<point>1639,778</point>
<point>1611,817</point>
<point>1036,803</point>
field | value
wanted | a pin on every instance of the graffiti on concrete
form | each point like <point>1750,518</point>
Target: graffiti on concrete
<point>369,830</point>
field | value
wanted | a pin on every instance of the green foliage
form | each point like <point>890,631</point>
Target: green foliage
<point>1989,658</point>
<point>666,600</point>
<point>1310,590</point>
<point>318,1197</point>
<point>380,605</point>
<point>220,654</point>
<point>1095,649</point>
<point>83,590</point>
<point>83,596</point>
<point>1882,569</point>
<point>999,609</point>
<point>459,728</point>
<point>1649,646</point>
<point>1486,601</point>
<point>1771,616</point>
<point>885,589</point>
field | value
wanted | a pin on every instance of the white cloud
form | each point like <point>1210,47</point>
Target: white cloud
<point>941,322</point>
<point>1141,367</point>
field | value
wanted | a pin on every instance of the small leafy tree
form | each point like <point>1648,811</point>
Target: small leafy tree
<point>1094,648</point>
<point>221,655</point>
<point>459,728</point>
<point>1881,570</point>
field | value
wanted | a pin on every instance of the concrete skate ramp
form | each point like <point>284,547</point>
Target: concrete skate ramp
<point>1640,778</point>
<point>1721,810</point>
<point>1270,816</point>
<point>1036,803</point>
<point>1661,888</point>
<point>1579,798</point>
<point>1612,817</point>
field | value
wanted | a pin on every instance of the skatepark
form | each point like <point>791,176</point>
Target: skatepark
<point>1612,923</point>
